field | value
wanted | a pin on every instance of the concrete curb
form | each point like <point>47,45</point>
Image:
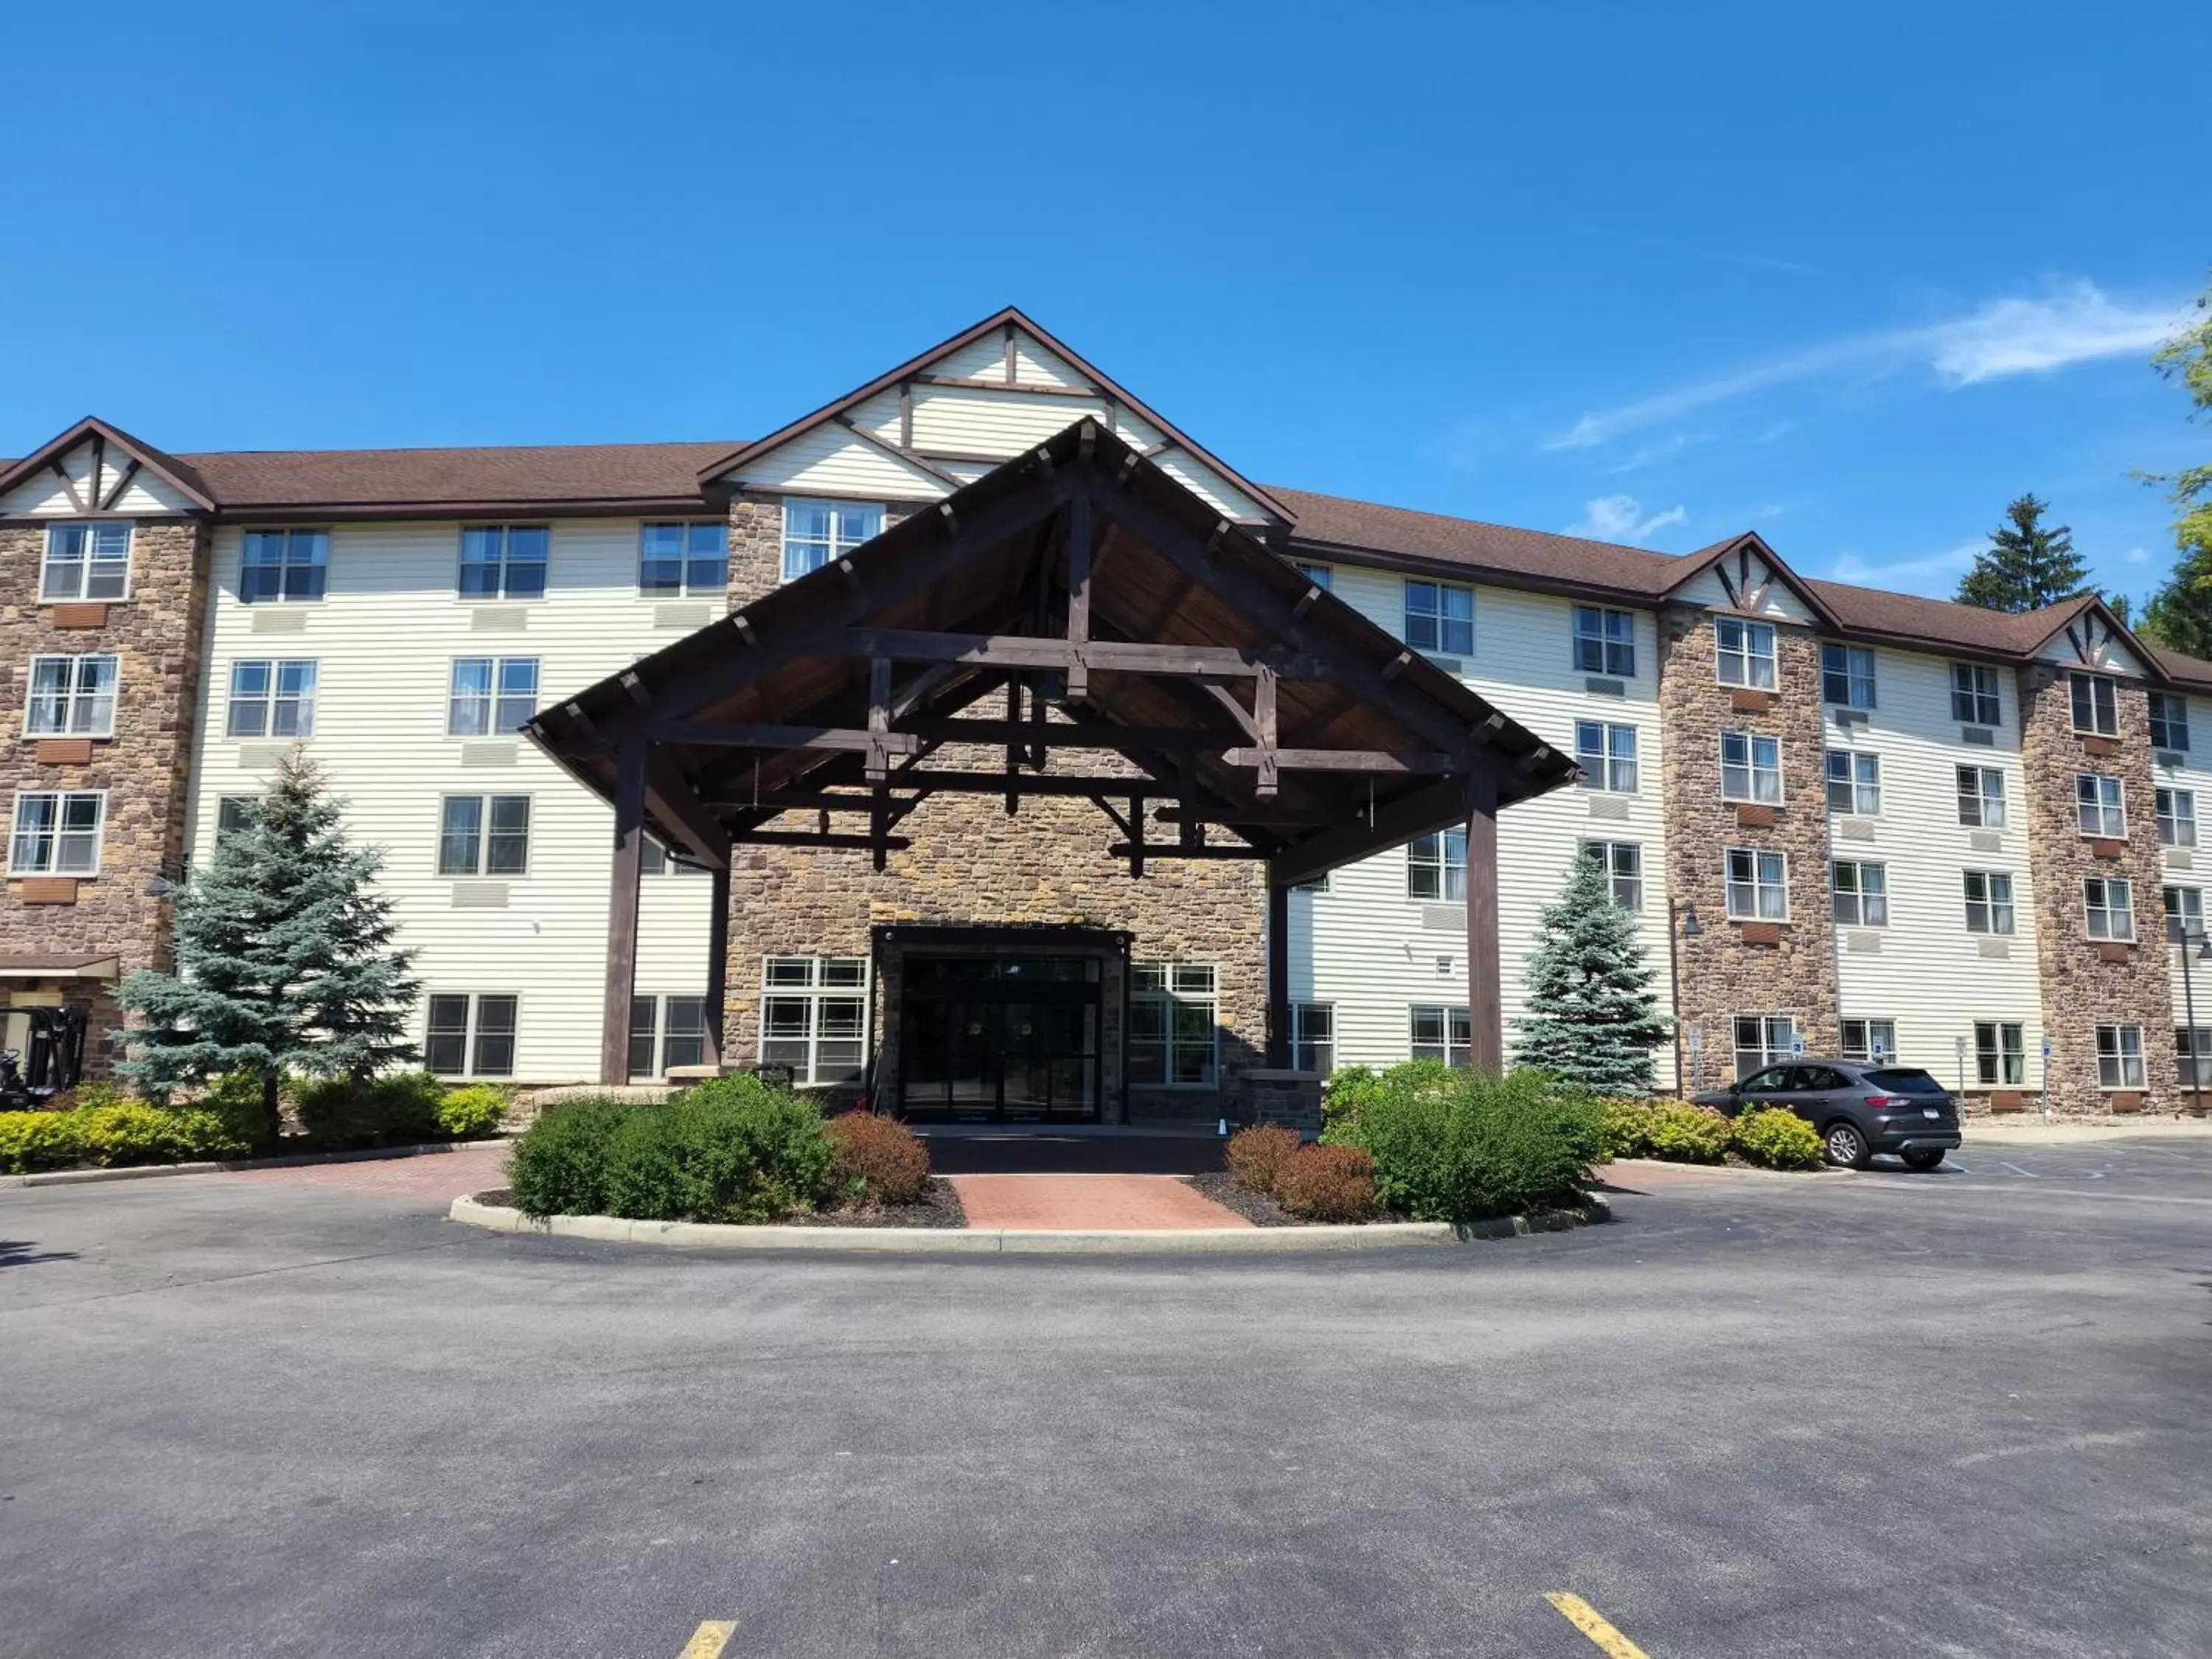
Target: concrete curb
<point>235,1165</point>
<point>947,1241</point>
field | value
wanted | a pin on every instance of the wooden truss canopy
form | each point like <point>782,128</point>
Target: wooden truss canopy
<point>1095,630</point>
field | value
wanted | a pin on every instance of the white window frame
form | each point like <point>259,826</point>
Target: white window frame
<point>75,697</point>
<point>1993,908</point>
<point>2120,1057</point>
<point>2177,817</point>
<point>1746,647</point>
<point>472,1033</point>
<point>842,536</point>
<point>95,532</point>
<point>2201,1056</point>
<point>1435,614</point>
<point>1864,892</point>
<point>1775,1040</point>
<point>686,558</point>
<point>491,708</point>
<point>1606,750</point>
<point>1605,641</point>
<point>1861,782</point>
<point>2185,912</point>
<point>1750,767</point>
<point>2101,917</point>
<point>2101,812</point>
<point>2000,1054</point>
<point>1767,873</point>
<point>815,982</point>
<point>506,563</point>
<point>58,833</point>
<point>1859,1043</point>
<point>1171,989</point>
<point>1454,1029</point>
<point>1622,861</point>
<point>302,698</point>
<point>660,1034</point>
<point>2169,709</point>
<point>1854,665</point>
<point>1975,697</point>
<point>483,835</point>
<point>1981,796</point>
<point>1313,1036</point>
<point>1431,860</point>
<point>297,550</point>
<point>2104,703</point>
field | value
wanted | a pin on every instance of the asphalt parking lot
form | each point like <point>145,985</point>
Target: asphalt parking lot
<point>1955,1414</point>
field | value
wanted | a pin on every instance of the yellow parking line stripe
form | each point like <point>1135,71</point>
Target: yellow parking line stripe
<point>1591,1623</point>
<point>708,1640</point>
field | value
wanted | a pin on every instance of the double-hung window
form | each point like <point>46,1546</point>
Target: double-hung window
<point>1751,768</point>
<point>282,564</point>
<point>57,833</point>
<point>1757,884</point>
<point>2177,817</point>
<point>504,560</point>
<point>814,1018</point>
<point>1622,863</point>
<point>690,558</point>
<point>2119,1057</point>
<point>1859,893</point>
<point>1847,676</point>
<point>2096,705</point>
<point>469,1036</point>
<point>1868,1039</point>
<point>2108,908</point>
<point>2100,802</point>
<point>71,697</point>
<point>1435,867</point>
<point>1743,652</point>
<point>1606,753</point>
<point>271,700</point>
<point>815,532</point>
<point>1854,783</point>
<point>86,561</point>
<point>1440,617</point>
<point>483,835</point>
<point>1989,901</point>
<point>492,695</point>
<point>2000,1054</point>
<point>1172,1020</point>
<point>657,1044</point>
<point>1313,1038</point>
<point>1974,699</point>
<point>2184,914</point>
<point>1441,1033</point>
<point>1763,1039</point>
<point>1605,641</point>
<point>2169,721</point>
<point>1981,796</point>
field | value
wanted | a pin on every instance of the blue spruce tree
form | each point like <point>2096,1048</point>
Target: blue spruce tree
<point>1591,1018</point>
<point>284,957</point>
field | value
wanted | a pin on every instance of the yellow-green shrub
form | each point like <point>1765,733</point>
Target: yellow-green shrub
<point>469,1113</point>
<point>1682,1133</point>
<point>36,1140</point>
<point>125,1132</point>
<point>1627,1129</point>
<point>1778,1139</point>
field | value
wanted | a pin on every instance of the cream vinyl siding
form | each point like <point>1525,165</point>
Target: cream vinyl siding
<point>1780,604</point>
<point>1929,975</point>
<point>45,497</point>
<point>384,639</point>
<point>2112,657</point>
<point>831,461</point>
<point>2194,773</point>
<point>1371,950</point>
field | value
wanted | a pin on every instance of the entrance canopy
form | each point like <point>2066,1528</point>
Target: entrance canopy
<point>1074,623</point>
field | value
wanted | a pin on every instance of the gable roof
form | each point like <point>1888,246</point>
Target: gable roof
<point>1097,384</point>
<point>174,472</point>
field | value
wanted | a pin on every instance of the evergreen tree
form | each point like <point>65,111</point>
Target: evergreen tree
<point>1592,1018</point>
<point>284,957</point>
<point>2179,614</point>
<point>2025,566</point>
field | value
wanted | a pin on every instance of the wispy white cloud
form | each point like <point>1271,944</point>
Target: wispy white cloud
<point>1936,574</point>
<point>1659,450</point>
<point>2137,556</point>
<point>1622,518</point>
<point>2076,322</point>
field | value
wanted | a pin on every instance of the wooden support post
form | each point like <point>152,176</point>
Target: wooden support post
<point>1263,711</point>
<point>1485,1002</point>
<point>880,720</point>
<point>622,911</point>
<point>718,964</point>
<point>1136,836</point>
<point>1079,596</point>
<point>1278,974</point>
<point>1013,744</point>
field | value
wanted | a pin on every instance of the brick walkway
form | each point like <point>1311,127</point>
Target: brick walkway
<point>431,1177</point>
<point>1083,1203</point>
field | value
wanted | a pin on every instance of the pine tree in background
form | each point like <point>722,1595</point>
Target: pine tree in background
<point>284,957</point>
<point>2179,614</point>
<point>2025,566</point>
<point>1591,1015</point>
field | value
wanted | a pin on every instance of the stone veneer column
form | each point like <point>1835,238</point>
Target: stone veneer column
<point>158,634</point>
<point>1735,968</point>
<point>2087,984</point>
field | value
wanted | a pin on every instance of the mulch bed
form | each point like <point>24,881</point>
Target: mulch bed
<point>940,1207</point>
<point>1258,1208</point>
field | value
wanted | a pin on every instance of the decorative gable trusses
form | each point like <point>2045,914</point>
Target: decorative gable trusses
<point>2093,637</point>
<point>964,407</point>
<point>94,470</point>
<point>1743,573</point>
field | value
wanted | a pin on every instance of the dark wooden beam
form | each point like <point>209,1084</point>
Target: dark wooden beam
<point>1263,709</point>
<point>751,735</point>
<point>621,983</point>
<point>970,383</point>
<point>951,481</point>
<point>121,484</point>
<point>1079,598</point>
<point>1485,997</point>
<point>810,838</point>
<point>1403,762</point>
<point>1029,651</point>
<point>718,964</point>
<point>1157,850</point>
<point>1278,974</point>
<point>1435,806</point>
<point>672,803</point>
<point>880,720</point>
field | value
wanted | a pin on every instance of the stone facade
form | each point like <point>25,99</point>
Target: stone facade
<point>1731,968</point>
<point>2086,984</point>
<point>157,635</point>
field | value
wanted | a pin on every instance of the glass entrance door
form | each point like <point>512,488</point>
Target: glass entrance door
<point>1000,1038</point>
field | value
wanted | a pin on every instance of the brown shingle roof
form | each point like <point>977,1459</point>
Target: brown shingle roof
<point>550,474</point>
<point>1336,522</point>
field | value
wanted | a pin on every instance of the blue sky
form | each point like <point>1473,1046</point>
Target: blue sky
<point>1658,273</point>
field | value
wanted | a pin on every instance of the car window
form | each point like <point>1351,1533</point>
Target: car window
<point>1774,1080</point>
<point>1904,1080</point>
<point>1824,1077</point>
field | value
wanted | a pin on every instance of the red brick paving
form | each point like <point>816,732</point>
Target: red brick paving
<point>431,1176</point>
<point>1085,1203</point>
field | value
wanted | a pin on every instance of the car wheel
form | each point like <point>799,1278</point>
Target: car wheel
<point>1843,1146</point>
<point>1922,1157</point>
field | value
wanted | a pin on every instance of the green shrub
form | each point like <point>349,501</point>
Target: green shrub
<point>349,1114</point>
<point>125,1131</point>
<point>1626,1126</point>
<point>101,1093</point>
<point>879,1159</point>
<point>236,1098</point>
<point>1327,1183</point>
<point>36,1140</point>
<point>1682,1133</point>
<point>473,1112</point>
<point>1255,1156</point>
<point>1778,1139</point>
<point>732,1149</point>
<point>1453,1146</point>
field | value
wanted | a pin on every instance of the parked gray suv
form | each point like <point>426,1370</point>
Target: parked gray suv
<point>1859,1109</point>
